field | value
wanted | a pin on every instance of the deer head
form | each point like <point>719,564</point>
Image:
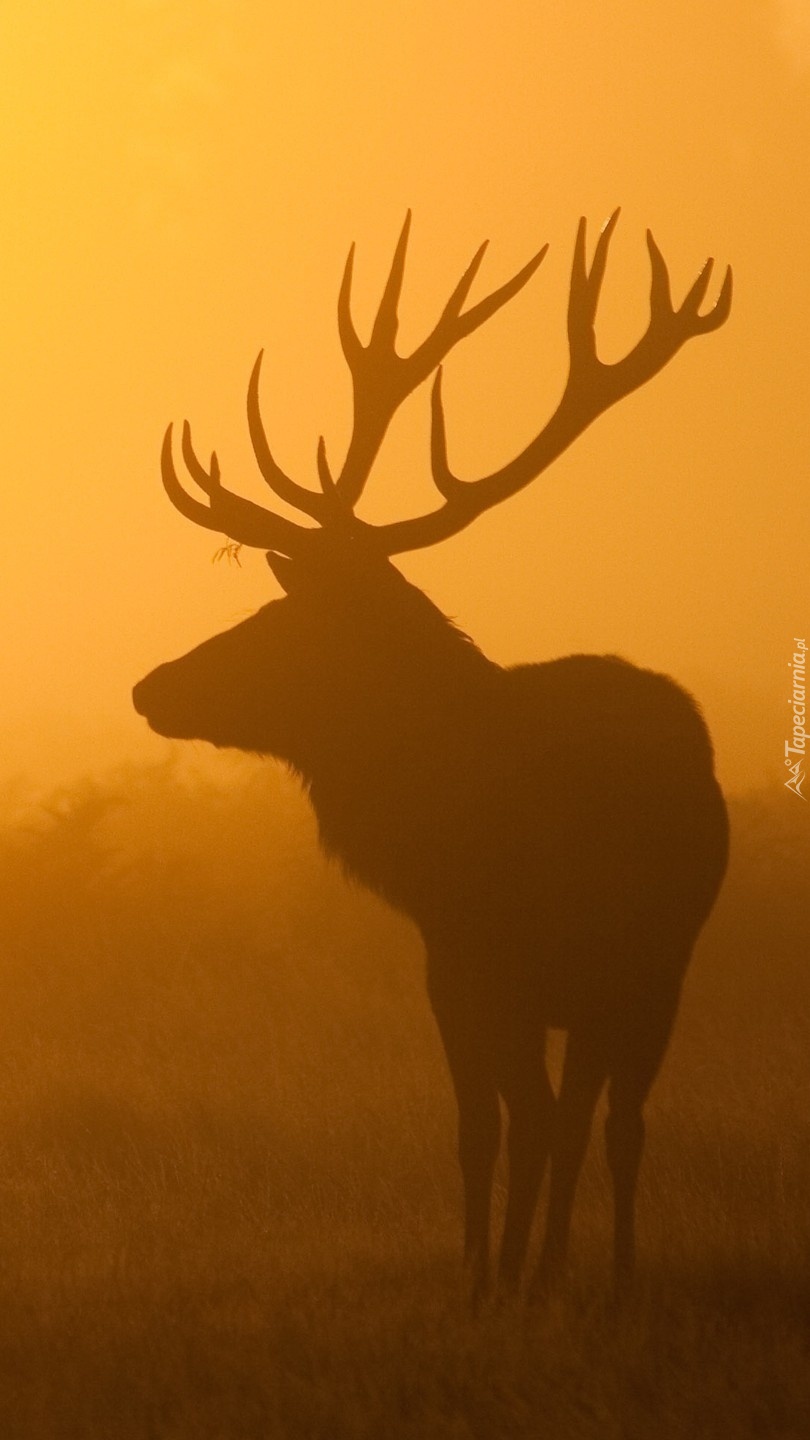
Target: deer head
<point>382,379</point>
<point>266,684</point>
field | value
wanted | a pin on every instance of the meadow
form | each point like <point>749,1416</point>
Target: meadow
<point>229,1204</point>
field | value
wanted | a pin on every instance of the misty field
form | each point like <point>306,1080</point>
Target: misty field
<point>230,1205</point>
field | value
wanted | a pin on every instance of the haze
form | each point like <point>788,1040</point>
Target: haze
<point>182,182</point>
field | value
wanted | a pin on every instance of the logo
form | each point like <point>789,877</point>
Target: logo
<point>797,745</point>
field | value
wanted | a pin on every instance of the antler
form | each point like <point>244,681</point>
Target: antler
<point>592,387</point>
<point>382,378</point>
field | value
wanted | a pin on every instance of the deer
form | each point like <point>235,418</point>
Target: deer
<point>555,829</point>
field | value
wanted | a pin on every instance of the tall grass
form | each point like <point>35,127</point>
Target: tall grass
<point>229,1204</point>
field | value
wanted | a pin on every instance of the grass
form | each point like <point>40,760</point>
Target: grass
<point>229,1204</point>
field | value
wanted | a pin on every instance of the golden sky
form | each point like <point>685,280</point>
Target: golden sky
<point>181,182</point>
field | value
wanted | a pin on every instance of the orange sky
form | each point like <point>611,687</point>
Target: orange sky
<point>181,183</point>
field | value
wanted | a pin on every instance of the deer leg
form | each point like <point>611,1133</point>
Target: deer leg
<point>530,1101</point>
<point>638,1059</point>
<point>584,1073</point>
<point>478,1138</point>
<point>624,1142</point>
<point>479,1127</point>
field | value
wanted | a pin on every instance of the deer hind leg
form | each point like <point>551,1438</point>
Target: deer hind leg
<point>584,1072</point>
<point>637,1061</point>
<point>530,1102</point>
<point>624,1142</point>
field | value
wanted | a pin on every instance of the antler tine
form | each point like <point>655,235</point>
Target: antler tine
<point>660,293</point>
<point>376,374</point>
<point>226,513</point>
<point>591,387</point>
<point>452,309</point>
<point>586,287</point>
<point>324,472</point>
<point>186,504</point>
<point>456,492</point>
<point>381,377</point>
<point>697,291</point>
<point>208,480</point>
<point>308,501</point>
<point>386,323</point>
<point>349,338</point>
<point>596,274</point>
<point>721,309</point>
<point>453,326</point>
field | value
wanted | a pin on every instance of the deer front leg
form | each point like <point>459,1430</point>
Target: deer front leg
<point>479,1126</point>
<point>529,1098</point>
<point>478,1138</point>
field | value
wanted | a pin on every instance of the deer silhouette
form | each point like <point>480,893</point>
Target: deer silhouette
<point>555,830</point>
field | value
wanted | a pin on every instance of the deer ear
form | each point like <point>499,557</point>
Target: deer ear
<point>284,570</point>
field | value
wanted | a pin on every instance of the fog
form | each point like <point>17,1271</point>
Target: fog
<point>227,1148</point>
